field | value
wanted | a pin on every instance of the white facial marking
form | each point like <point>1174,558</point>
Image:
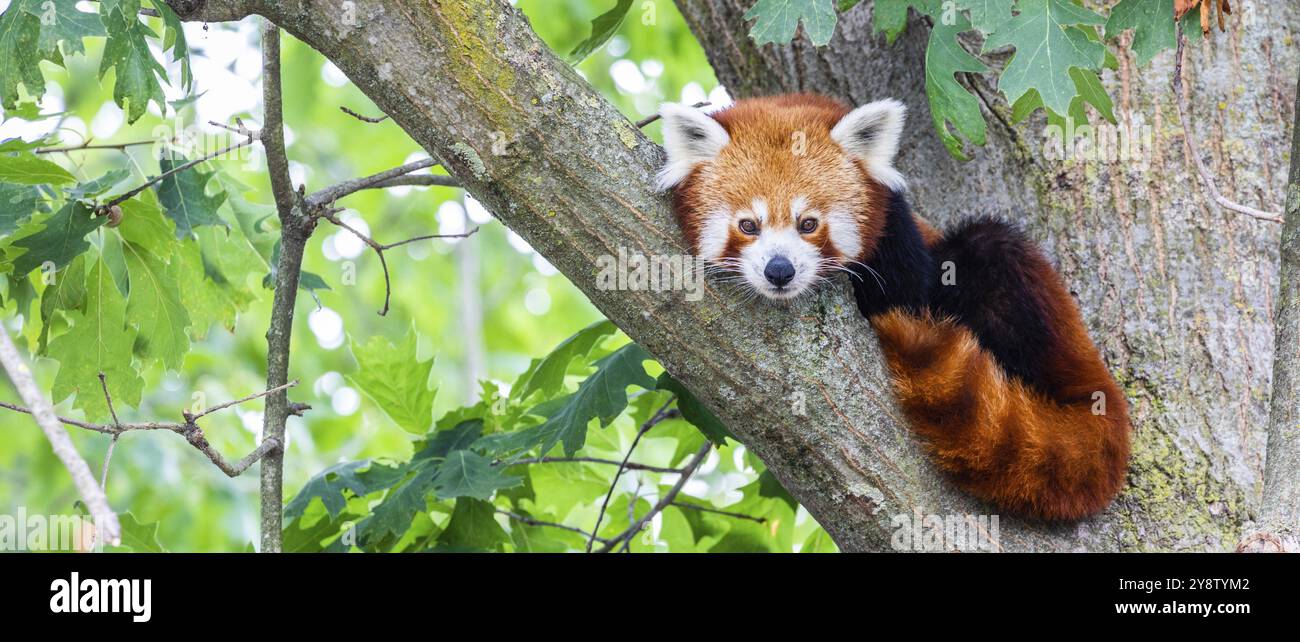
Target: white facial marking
<point>797,205</point>
<point>844,232</point>
<point>713,234</point>
<point>773,243</point>
<point>760,209</point>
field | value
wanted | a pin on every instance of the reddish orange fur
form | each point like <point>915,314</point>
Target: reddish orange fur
<point>999,439</point>
<point>1037,450</point>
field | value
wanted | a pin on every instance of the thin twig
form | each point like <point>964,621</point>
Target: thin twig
<point>654,420</point>
<point>710,509</point>
<point>380,248</point>
<point>327,196</point>
<point>418,180</point>
<point>626,536</point>
<point>86,146</point>
<point>108,458</point>
<point>537,522</point>
<point>106,522</point>
<point>650,119</point>
<point>223,406</point>
<point>1206,179</point>
<point>118,200</point>
<point>188,429</point>
<point>594,460</point>
<point>368,119</point>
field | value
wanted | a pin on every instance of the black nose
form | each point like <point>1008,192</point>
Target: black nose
<point>779,271</point>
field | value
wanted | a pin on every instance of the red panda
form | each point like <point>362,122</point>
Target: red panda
<point>989,357</point>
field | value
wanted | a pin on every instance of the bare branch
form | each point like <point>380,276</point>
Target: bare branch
<point>380,248</point>
<point>188,429</point>
<point>296,227</point>
<point>652,118</point>
<point>418,180</point>
<point>118,200</point>
<point>1211,188</point>
<point>87,146</point>
<point>594,460</point>
<point>368,119</point>
<point>626,536</point>
<point>327,196</point>
<point>660,415</point>
<point>43,411</point>
<point>717,511</point>
<point>537,522</point>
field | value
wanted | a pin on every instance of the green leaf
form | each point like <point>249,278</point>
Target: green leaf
<point>694,411</point>
<point>1152,23</point>
<point>776,21</point>
<point>144,225</point>
<point>127,52</point>
<point>602,29</point>
<point>1046,50</point>
<point>949,100</point>
<point>548,375</point>
<point>215,268</point>
<point>184,197</point>
<point>61,22</point>
<point>1092,92</point>
<point>602,395</point>
<point>987,15</point>
<point>155,307</point>
<point>99,341</point>
<point>67,293</point>
<point>57,239</point>
<point>358,477</point>
<point>174,41</point>
<point>139,537</point>
<point>93,188</point>
<point>396,380</point>
<point>17,204</point>
<point>890,16</point>
<point>28,169</point>
<point>473,526</point>
<point>467,474</point>
<point>20,50</point>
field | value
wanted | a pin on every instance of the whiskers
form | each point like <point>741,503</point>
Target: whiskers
<point>880,280</point>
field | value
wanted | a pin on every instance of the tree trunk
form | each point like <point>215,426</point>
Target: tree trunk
<point>1177,292</point>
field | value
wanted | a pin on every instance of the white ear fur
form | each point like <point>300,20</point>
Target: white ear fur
<point>690,137</point>
<point>871,134</point>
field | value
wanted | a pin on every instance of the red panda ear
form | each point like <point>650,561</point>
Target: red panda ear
<point>870,133</point>
<point>690,137</point>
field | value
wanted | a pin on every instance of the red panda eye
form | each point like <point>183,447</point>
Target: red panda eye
<point>808,225</point>
<point>749,227</point>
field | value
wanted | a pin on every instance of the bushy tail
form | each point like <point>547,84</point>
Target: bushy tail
<point>999,438</point>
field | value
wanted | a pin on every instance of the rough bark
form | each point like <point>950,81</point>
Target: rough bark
<point>1278,527</point>
<point>1178,293</point>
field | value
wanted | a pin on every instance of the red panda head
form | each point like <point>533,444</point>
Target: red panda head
<point>782,190</point>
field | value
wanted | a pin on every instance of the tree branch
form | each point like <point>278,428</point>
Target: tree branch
<point>188,429</point>
<point>366,119</point>
<point>380,248</point>
<point>326,197</point>
<point>1211,188</point>
<point>295,229</point>
<point>659,416</point>
<point>106,523</point>
<point>1278,526</point>
<point>537,522</point>
<point>626,536</point>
